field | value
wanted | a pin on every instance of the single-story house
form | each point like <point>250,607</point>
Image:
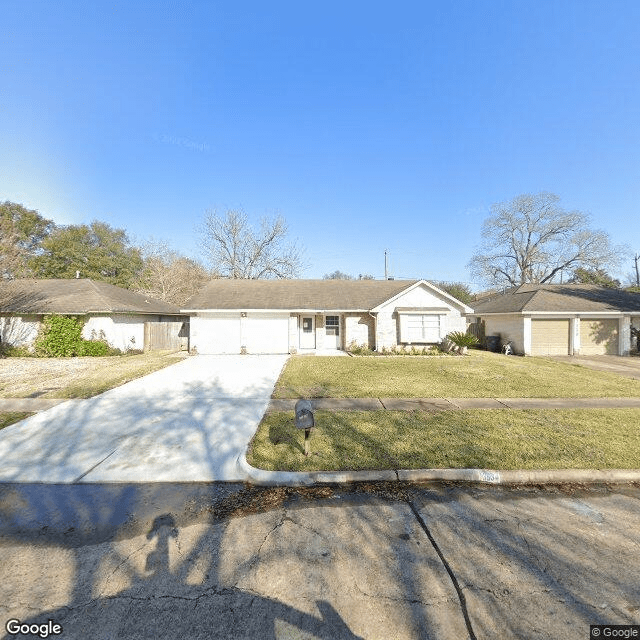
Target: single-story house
<point>116,315</point>
<point>289,316</point>
<point>561,319</point>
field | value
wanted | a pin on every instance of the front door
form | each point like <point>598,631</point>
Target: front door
<point>332,332</point>
<point>307,332</point>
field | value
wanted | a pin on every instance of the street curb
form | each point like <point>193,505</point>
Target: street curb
<point>256,476</point>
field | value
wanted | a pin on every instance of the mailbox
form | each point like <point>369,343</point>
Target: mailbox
<point>304,415</point>
<point>305,420</point>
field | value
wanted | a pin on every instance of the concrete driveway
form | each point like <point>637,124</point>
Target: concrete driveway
<point>628,366</point>
<point>188,422</point>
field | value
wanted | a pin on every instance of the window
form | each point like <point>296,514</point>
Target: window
<point>332,326</point>
<point>307,325</point>
<point>420,328</point>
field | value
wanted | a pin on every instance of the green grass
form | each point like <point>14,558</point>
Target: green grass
<point>480,374</point>
<point>493,439</point>
<point>11,417</point>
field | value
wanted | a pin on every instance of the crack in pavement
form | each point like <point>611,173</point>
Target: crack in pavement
<point>461,598</point>
<point>434,603</point>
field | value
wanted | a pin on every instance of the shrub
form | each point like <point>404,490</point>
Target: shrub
<point>359,349</point>
<point>96,348</point>
<point>60,336</point>
<point>461,339</point>
<point>9,351</point>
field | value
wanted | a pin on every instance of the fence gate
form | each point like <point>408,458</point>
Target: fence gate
<point>166,335</point>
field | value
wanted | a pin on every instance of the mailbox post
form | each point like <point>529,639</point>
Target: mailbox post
<point>305,420</point>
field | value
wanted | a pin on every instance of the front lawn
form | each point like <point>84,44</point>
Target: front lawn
<point>76,377</point>
<point>480,374</point>
<point>11,417</point>
<point>490,439</point>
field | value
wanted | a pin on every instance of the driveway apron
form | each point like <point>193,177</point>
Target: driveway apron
<point>188,422</point>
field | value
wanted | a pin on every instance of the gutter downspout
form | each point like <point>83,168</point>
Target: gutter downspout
<point>375,329</point>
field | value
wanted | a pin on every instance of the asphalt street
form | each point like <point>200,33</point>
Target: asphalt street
<point>376,560</point>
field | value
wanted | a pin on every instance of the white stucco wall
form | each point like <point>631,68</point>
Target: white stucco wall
<point>509,327</point>
<point>358,328</point>
<point>19,331</point>
<point>294,333</point>
<point>120,331</point>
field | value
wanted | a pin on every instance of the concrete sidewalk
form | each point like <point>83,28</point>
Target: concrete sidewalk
<point>451,404</point>
<point>30,405</point>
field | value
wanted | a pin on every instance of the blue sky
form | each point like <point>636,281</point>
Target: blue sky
<point>368,126</point>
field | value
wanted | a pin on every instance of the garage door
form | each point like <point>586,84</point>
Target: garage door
<point>549,337</point>
<point>598,337</point>
<point>216,333</point>
<point>266,333</point>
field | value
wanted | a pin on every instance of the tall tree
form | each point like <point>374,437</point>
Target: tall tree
<point>22,231</point>
<point>458,290</point>
<point>237,250</point>
<point>594,276</point>
<point>167,275</point>
<point>97,251</point>
<point>532,239</point>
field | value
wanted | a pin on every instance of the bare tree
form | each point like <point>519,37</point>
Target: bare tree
<point>236,250</point>
<point>340,275</point>
<point>636,262</point>
<point>167,275</point>
<point>532,239</point>
<point>337,275</point>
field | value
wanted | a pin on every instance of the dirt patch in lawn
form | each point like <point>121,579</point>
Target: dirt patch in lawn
<point>75,377</point>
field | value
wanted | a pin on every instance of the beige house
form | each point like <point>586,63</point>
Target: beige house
<point>561,319</point>
<point>118,315</point>
<point>290,316</point>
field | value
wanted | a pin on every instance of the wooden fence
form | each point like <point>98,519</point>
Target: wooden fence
<point>477,329</point>
<point>166,335</point>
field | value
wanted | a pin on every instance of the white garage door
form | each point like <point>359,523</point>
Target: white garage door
<point>216,333</point>
<point>549,337</point>
<point>266,333</point>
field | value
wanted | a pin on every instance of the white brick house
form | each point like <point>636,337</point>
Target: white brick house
<point>290,316</point>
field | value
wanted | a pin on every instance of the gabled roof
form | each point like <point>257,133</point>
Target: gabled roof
<point>296,295</point>
<point>569,298</point>
<point>76,297</point>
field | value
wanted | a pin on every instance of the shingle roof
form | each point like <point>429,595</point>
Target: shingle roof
<point>296,294</point>
<point>570,298</point>
<point>76,296</point>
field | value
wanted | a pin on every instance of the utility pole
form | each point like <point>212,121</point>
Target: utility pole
<point>386,271</point>
<point>636,259</point>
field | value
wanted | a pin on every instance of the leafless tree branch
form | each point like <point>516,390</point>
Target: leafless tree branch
<point>532,239</point>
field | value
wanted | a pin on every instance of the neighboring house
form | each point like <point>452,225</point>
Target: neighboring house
<point>561,319</point>
<point>117,315</point>
<point>287,316</point>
